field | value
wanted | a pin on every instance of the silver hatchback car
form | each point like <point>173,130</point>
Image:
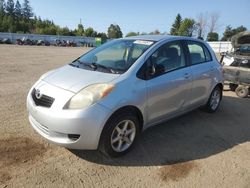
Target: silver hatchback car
<point>105,98</point>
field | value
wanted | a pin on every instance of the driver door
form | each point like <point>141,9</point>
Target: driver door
<point>170,85</point>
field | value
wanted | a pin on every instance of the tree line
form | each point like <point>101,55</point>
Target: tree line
<point>204,27</point>
<point>17,18</point>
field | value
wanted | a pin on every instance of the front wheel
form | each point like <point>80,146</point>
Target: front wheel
<point>214,100</point>
<point>119,134</point>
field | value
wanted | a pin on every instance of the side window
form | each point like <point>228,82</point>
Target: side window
<point>207,54</point>
<point>168,57</point>
<point>197,53</point>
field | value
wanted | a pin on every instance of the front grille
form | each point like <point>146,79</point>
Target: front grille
<point>43,100</point>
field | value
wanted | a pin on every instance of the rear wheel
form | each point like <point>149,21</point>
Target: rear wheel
<point>119,135</point>
<point>214,100</point>
<point>242,91</point>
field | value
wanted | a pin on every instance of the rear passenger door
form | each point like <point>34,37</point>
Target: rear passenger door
<point>201,64</point>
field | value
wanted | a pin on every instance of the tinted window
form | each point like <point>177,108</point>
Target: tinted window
<point>168,57</point>
<point>197,53</point>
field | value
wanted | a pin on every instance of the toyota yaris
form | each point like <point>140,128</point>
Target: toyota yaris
<point>105,98</point>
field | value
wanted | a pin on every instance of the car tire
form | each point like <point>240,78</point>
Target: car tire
<point>214,100</point>
<point>233,86</point>
<point>242,91</point>
<point>119,134</point>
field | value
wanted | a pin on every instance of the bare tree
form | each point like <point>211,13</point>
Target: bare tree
<point>213,22</point>
<point>201,25</point>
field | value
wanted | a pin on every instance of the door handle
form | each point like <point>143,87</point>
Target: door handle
<point>187,75</point>
<point>212,68</point>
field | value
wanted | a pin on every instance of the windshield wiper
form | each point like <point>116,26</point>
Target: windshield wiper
<point>96,66</point>
<point>85,64</point>
<point>93,66</point>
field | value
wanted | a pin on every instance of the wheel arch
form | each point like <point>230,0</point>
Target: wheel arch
<point>129,108</point>
<point>220,85</point>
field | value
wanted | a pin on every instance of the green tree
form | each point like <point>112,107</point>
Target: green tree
<point>89,32</point>
<point>187,27</point>
<point>114,31</point>
<point>18,10</point>
<point>212,36</point>
<point>130,34</point>
<point>27,10</point>
<point>176,25</point>
<point>10,8</point>
<point>80,30</point>
<point>65,31</point>
<point>2,13</point>
<point>8,24</point>
<point>240,29</point>
<point>2,8</point>
<point>229,32</point>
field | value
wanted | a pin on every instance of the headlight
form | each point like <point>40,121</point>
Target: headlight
<point>89,96</point>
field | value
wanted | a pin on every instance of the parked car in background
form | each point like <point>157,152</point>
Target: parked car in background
<point>105,98</point>
<point>5,41</point>
<point>237,65</point>
<point>241,50</point>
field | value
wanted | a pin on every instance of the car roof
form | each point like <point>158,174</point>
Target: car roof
<point>157,37</point>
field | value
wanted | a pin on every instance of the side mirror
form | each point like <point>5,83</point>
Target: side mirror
<point>149,70</point>
<point>159,69</point>
<point>153,70</point>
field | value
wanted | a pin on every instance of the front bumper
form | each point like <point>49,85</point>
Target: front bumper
<point>56,124</point>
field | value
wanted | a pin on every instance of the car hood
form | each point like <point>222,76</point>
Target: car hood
<point>240,39</point>
<point>74,79</point>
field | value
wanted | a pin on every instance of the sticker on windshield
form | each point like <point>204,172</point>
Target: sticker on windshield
<point>144,42</point>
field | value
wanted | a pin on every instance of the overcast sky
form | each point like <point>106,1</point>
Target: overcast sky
<point>140,15</point>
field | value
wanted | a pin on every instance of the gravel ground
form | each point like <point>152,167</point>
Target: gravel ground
<point>195,150</point>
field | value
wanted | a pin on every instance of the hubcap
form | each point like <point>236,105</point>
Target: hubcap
<point>123,135</point>
<point>215,99</point>
<point>242,92</point>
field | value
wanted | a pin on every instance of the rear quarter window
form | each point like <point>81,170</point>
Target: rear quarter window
<point>198,52</point>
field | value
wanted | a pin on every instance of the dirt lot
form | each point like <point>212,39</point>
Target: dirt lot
<point>195,150</point>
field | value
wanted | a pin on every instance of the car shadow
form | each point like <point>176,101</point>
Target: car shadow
<point>196,135</point>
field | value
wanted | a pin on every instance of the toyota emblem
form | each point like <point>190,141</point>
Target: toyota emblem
<point>38,94</point>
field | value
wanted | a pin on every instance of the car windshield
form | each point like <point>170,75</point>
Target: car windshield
<point>245,48</point>
<point>113,57</point>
